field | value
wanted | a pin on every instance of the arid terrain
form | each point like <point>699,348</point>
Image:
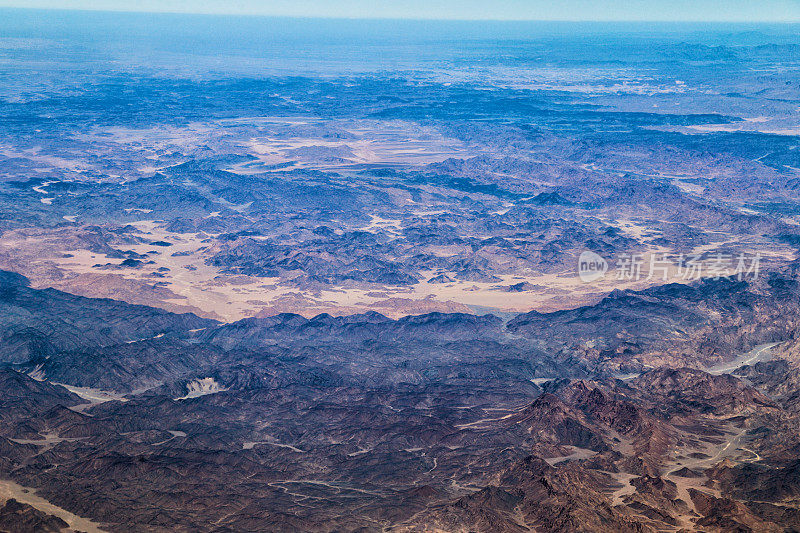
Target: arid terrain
<point>305,278</point>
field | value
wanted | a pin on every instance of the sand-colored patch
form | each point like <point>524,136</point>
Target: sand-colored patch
<point>389,142</point>
<point>177,276</point>
<point>9,489</point>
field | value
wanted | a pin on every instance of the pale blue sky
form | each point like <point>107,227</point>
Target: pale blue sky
<point>605,10</point>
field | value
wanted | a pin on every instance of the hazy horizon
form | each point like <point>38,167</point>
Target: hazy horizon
<point>772,11</point>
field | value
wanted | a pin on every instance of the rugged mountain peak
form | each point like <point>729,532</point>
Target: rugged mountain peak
<point>693,388</point>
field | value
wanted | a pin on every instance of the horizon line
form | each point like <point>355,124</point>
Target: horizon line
<point>396,19</point>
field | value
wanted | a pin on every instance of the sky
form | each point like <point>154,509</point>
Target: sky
<point>577,10</point>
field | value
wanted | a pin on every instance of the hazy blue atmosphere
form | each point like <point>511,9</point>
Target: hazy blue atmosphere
<point>655,10</point>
